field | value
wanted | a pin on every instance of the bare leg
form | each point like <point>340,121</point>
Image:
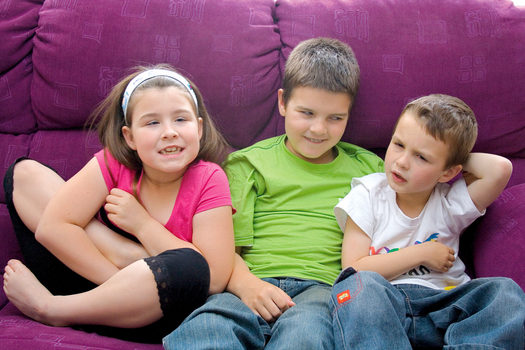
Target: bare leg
<point>35,184</point>
<point>129,299</point>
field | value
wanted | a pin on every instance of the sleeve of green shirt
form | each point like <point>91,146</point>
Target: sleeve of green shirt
<point>244,186</point>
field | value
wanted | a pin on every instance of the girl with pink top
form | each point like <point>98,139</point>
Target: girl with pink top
<point>163,240</point>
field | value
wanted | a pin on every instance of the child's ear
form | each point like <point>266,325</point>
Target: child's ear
<point>128,136</point>
<point>280,102</point>
<point>200,127</point>
<point>450,173</point>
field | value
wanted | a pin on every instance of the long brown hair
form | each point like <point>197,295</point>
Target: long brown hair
<point>213,146</point>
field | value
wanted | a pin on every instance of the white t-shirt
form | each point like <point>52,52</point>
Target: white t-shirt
<point>372,206</point>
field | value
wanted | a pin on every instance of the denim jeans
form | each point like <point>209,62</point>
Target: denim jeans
<point>371,313</point>
<point>225,322</point>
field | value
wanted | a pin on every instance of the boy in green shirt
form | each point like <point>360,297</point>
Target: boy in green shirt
<point>284,190</point>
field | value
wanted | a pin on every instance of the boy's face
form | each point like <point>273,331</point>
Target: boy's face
<point>415,161</point>
<point>315,120</point>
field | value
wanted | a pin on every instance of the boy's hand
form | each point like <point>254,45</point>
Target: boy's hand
<point>265,299</point>
<point>437,256</point>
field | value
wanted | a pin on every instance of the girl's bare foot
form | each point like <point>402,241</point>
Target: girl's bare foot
<point>25,291</point>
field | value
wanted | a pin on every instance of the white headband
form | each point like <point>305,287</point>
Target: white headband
<point>149,74</point>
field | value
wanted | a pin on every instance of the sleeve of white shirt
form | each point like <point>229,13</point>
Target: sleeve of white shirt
<point>356,205</point>
<point>459,206</point>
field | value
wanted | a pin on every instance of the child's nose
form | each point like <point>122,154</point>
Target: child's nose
<point>318,127</point>
<point>402,161</point>
<point>169,131</point>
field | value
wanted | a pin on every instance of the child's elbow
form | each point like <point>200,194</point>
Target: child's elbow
<point>504,168</point>
<point>216,288</point>
<point>219,278</point>
<point>218,285</point>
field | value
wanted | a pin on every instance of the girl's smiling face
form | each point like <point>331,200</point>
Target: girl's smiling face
<point>165,131</point>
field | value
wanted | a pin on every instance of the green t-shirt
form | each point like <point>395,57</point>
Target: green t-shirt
<point>285,208</point>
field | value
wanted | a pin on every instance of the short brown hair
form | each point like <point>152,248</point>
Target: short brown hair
<point>321,63</point>
<point>448,119</point>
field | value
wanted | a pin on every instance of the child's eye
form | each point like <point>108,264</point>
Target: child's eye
<point>307,113</point>
<point>398,144</point>
<point>180,119</point>
<point>422,158</point>
<point>336,118</point>
<point>152,122</point>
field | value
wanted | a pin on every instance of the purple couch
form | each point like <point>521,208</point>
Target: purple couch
<point>59,58</point>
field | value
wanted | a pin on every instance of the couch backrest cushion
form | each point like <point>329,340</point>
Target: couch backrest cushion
<point>18,23</point>
<point>229,48</point>
<point>472,49</point>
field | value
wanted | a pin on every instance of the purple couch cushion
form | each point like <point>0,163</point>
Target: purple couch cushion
<point>238,79</point>
<point>17,26</point>
<point>17,332</point>
<point>55,148</point>
<point>11,148</point>
<point>472,49</point>
<point>18,22</point>
<point>66,151</point>
<point>518,172</point>
<point>499,242</point>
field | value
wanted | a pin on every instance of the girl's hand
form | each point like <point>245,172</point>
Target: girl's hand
<point>125,211</point>
<point>437,256</point>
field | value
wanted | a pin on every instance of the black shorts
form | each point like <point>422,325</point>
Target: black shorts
<point>182,277</point>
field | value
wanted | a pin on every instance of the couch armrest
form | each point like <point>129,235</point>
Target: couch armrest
<point>495,243</point>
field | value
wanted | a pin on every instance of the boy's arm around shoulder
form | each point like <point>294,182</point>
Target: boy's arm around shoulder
<point>486,176</point>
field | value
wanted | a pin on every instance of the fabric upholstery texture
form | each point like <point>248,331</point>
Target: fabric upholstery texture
<point>60,58</point>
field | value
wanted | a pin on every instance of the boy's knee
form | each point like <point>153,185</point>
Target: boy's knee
<point>349,275</point>
<point>373,278</point>
<point>510,287</point>
<point>360,287</point>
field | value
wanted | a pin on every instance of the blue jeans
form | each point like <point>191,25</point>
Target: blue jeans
<point>225,322</point>
<point>371,313</point>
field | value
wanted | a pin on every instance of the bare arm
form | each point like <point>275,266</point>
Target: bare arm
<point>486,176</point>
<point>263,298</point>
<point>356,247</point>
<point>127,213</point>
<point>213,236</point>
<point>61,227</point>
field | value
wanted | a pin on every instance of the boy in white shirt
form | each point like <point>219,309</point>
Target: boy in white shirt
<point>417,295</point>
